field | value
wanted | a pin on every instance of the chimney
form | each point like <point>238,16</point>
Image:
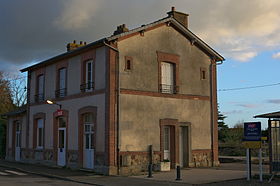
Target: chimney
<point>121,29</point>
<point>179,16</point>
<point>74,45</point>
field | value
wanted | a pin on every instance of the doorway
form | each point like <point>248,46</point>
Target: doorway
<point>184,146</point>
<point>18,141</point>
<point>88,141</point>
<point>61,159</point>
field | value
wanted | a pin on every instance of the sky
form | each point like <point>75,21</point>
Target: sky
<point>245,32</point>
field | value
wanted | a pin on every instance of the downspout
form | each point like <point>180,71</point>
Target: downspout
<point>28,109</point>
<point>213,62</point>
<point>118,104</point>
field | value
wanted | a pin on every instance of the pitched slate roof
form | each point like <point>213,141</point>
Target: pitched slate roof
<point>185,31</point>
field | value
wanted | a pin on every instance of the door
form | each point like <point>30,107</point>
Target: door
<point>18,141</point>
<point>88,146</point>
<point>61,159</point>
<point>166,147</point>
<point>184,147</point>
<point>167,77</point>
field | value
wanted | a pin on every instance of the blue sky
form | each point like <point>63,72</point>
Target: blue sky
<point>242,105</point>
<point>245,32</point>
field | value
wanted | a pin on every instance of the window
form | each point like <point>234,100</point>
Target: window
<point>40,133</point>
<point>18,134</point>
<point>61,92</point>
<point>39,97</point>
<point>167,78</point>
<point>128,63</point>
<point>202,73</point>
<point>166,146</point>
<point>89,74</point>
<point>61,122</point>
<point>89,131</point>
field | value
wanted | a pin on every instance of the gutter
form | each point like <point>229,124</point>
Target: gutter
<point>212,103</point>
<point>118,104</point>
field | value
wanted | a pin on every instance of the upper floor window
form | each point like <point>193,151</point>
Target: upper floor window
<point>89,74</point>
<point>128,63</point>
<point>167,78</point>
<point>202,73</point>
<point>40,88</point>
<point>40,133</point>
<point>61,91</point>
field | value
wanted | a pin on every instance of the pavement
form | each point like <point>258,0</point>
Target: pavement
<point>226,173</point>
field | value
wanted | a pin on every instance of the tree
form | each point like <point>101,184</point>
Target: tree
<point>221,123</point>
<point>222,127</point>
<point>6,100</point>
<point>18,90</point>
<point>6,105</point>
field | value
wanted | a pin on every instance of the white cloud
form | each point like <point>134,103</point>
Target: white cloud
<point>276,55</point>
<point>245,56</point>
<point>240,31</point>
<point>249,105</point>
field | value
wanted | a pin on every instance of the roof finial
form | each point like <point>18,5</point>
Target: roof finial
<point>172,8</point>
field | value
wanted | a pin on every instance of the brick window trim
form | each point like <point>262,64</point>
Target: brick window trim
<point>65,114</point>
<point>86,57</point>
<point>170,58</point>
<point>59,66</point>
<point>128,59</point>
<point>38,73</point>
<point>81,112</point>
<point>174,125</point>
<point>174,139</point>
<point>37,116</point>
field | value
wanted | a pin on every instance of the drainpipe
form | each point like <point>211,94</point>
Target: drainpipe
<point>118,104</point>
<point>213,62</point>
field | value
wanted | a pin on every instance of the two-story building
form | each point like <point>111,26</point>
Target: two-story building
<point>140,96</point>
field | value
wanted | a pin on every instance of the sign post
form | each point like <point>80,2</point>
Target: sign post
<point>252,140</point>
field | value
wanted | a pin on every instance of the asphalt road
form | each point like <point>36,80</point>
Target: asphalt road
<point>12,177</point>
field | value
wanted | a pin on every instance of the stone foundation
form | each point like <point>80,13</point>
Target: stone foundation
<point>202,158</point>
<point>133,163</point>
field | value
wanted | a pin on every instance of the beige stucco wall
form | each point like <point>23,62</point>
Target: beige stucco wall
<point>73,76</point>
<point>72,106</point>
<point>140,115</point>
<point>144,75</point>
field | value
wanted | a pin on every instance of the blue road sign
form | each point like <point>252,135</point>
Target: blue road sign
<point>252,131</point>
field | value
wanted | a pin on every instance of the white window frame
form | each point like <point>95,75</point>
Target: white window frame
<point>40,125</point>
<point>62,78</point>
<point>167,77</point>
<point>41,87</point>
<point>89,74</point>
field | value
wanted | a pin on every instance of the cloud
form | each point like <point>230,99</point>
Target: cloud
<point>233,112</point>
<point>276,55</point>
<point>274,101</point>
<point>248,105</point>
<point>76,14</point>
<point>244,56</point>
<point>36,30</point>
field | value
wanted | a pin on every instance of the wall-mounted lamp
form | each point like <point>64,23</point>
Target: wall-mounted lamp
<point>54,103</point>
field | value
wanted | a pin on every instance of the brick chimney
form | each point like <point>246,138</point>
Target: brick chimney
<point>179,16</point>
<point>74,45</point>
<point>121,29</point>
